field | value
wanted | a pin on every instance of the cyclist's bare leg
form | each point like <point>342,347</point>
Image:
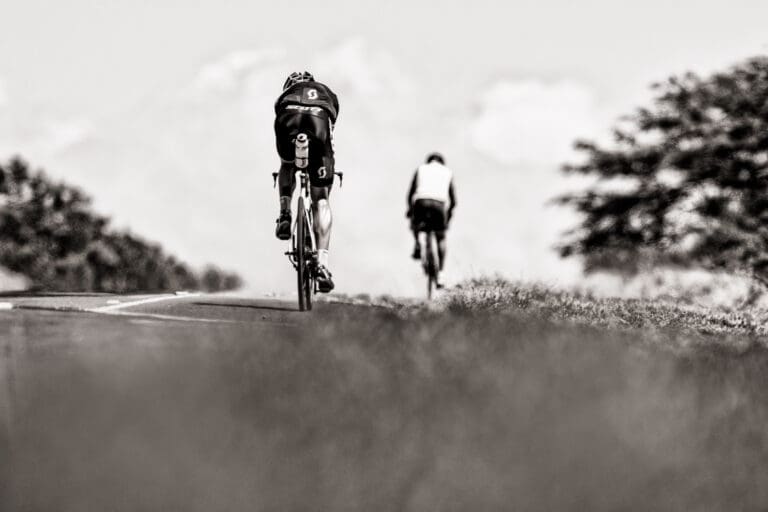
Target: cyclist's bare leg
<point>321,211</point>
<point>441,247</point>
<point>416,254</point>
<point>286,183</point>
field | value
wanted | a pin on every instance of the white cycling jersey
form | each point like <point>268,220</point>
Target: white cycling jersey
<point>433,181</point>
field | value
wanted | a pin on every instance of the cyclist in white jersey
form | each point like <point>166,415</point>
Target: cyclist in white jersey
<point>431,200</point>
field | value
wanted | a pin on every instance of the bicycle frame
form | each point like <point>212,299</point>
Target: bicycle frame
<point>429,259</point>
<point>303,255</point>
<point>304,193</point>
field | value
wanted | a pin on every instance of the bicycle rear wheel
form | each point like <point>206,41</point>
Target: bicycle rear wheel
<point>431,265</point>
<point>303,272</point>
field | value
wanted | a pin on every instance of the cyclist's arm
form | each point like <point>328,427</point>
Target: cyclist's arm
<point>411,192</point>
<point>452,199</point>
<point>334,101</point>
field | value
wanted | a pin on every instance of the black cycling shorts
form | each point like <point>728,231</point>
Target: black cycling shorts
<point>428,215</point>
<point>316,123</point>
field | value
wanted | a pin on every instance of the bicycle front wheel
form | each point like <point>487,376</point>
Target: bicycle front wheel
<point>303,277</point>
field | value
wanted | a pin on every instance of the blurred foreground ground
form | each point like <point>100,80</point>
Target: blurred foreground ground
<point>486,402</point>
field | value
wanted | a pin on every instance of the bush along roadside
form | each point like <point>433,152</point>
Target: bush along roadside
<point>50,234</point>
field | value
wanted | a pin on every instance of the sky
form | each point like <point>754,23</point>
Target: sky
<point>162,111</point>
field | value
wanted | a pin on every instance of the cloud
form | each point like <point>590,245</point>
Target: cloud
<point>61,135</point>
<point>42,140</point>
<point>358,68</point>
<point>352,67</point>
<point>234,71</point>
<point>532,122</point>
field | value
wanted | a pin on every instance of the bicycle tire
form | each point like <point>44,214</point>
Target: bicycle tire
<point>308,292</point>
<point>431,264</point>
<point>301,255</point>
<point>309,277</point>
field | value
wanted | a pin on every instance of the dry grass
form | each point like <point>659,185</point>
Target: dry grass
<point>499,296</point>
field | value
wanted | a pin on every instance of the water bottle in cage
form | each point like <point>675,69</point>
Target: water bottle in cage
<point>302,151</point>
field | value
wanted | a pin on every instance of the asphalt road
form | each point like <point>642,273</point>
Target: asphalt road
<point>216,402</point>
<point>171,307</point>
<point>106,401</point>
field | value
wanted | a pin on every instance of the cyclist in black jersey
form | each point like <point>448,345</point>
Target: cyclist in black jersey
<point>307,106</point>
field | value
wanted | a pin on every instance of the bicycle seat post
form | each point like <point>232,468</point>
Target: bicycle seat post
<point>305,182</point>
<point>301,161</point>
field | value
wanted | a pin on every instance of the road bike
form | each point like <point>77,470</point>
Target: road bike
<point>430,260</point>
<point>303,253</point>
<point>430,224</point>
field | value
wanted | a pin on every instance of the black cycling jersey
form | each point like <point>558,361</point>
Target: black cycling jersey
<point>309,94</point>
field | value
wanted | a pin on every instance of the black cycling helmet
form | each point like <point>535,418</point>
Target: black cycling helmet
<point>297,77</point>
<point>435,156</point>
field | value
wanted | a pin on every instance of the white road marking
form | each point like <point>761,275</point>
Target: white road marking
<point>150,300</point>
<point>157,316</point>
<point>116,308</point>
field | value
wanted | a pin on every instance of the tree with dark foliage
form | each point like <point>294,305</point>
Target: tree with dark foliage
<point>694,180</point>
<point>49,233</point>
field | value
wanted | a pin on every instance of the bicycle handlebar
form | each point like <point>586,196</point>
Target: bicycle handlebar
<point>340,174</point>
